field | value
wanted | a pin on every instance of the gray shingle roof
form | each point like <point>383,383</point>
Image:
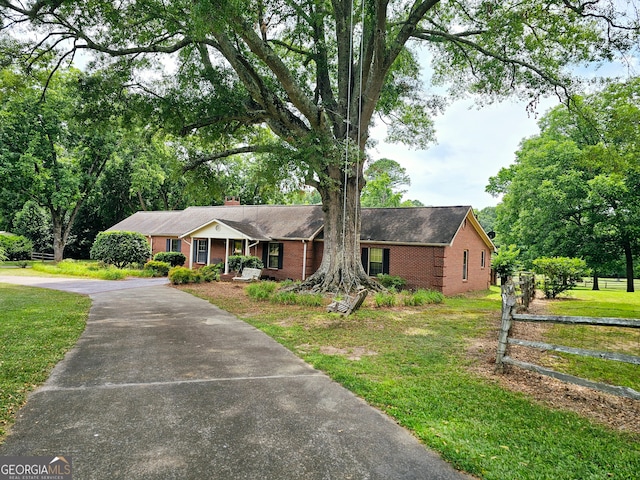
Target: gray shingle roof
<point>425,225</point>
<point>419,225</point>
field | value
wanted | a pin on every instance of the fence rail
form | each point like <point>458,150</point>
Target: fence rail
<point>41,256</point>
<point>509,301</point>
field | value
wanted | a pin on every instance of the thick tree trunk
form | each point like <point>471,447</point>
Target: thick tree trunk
<point>341,270</point>
<point>596,285</point>
<point>628,255</point>
<point>58,238</point>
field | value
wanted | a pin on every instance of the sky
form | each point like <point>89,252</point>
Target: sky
<point>472,145</point>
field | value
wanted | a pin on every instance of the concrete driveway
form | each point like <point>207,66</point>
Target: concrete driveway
<point>163,385</point>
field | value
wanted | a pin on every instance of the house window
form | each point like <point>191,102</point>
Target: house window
<point>174,245</point>
<point>375,261</point>
<point>274,255</point>
<point>465,265</point>
<point>237,247</point>
<point>483,255</point>
<point>201,249</point>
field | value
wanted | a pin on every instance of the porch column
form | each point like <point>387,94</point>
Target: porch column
<point>209,252</point>
<point>226,257</point>
<point>191,253</point>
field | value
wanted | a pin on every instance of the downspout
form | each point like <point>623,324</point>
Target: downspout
<point>304,260</point>
<point>251,245</point>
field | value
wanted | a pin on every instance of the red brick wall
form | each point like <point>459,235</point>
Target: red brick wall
<point>292,260</point>
<point>436,268</point>
<point>159,244</point>
<point>478,278</point>
<point>420,266</point>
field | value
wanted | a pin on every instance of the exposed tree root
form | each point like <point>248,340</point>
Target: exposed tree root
<point>321,282</point>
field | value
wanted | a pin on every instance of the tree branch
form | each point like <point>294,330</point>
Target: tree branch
<point>430,35</point>
<point>227,153</point>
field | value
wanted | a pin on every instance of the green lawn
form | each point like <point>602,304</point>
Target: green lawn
<point>37,327</point>
<point>589,303</point>
<point>74,268</point>
<point>411,363</point>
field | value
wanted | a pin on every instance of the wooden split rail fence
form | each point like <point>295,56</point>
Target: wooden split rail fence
<point>509,301</point>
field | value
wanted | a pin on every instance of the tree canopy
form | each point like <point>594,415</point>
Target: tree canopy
<point>317,74</point>
<point>53,147</point>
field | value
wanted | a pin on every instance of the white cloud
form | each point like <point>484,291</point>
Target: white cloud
<point>473,144</point>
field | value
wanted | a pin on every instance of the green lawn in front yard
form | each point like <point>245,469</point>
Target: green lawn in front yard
<point>588,303</point>
<point>75,268</point>
<point>37,327</point>
<point>412,364</point>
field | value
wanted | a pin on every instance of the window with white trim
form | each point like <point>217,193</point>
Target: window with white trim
<point>483,258</point>
<point>375,260</point>
<point>174,245</point>
<point>465,265</point>
<point>202,250</point>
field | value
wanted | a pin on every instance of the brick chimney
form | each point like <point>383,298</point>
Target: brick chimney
<point>231,201</point>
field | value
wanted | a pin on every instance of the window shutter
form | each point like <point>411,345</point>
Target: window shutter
<point>365,260</point>
<point>179,246</point>
<point>280,255</point>
<point>385,260</point>
<point>168,249</point>
<point>265,253</point>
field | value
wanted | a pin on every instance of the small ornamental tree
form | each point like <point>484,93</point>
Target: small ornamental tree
<point>560,273</point>
<point>3,257</point>
<point>121,248</point>
<point>505,262</point>
<point>16,247</point>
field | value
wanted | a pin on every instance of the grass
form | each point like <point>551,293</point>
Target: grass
<point>415,370</point>
<point>85,268</point>
<point>589,303</point>
<point>37,327</point>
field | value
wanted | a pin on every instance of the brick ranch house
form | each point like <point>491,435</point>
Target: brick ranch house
<point>440,248</point>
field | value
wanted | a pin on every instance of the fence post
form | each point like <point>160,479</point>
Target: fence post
<point>508,304</point>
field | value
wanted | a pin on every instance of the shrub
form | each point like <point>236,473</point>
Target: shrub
<point>560,273</point>
<point>385,299</point>
<point>16,247</point>
<point>285,298</point>
<point>423,297</point>
<point>159,269</point>
<point>391,281</point>
<point>238,262</point>
<point>211,273</point>
<point>261,290</point>
<point>183,275</point>
<point>3,256</point>
<point>121,248</point>
<point>309,299</point>
<point>505,262</point>
<point>175,259</point>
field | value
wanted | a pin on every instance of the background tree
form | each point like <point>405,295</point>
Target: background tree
<point>573,190</point>
<point>316,73</point>
<point>54,146</point>
<point>384,180</point>
<point>487,218</point>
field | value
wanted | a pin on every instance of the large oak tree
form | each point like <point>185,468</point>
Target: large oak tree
<point>317,72</point>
